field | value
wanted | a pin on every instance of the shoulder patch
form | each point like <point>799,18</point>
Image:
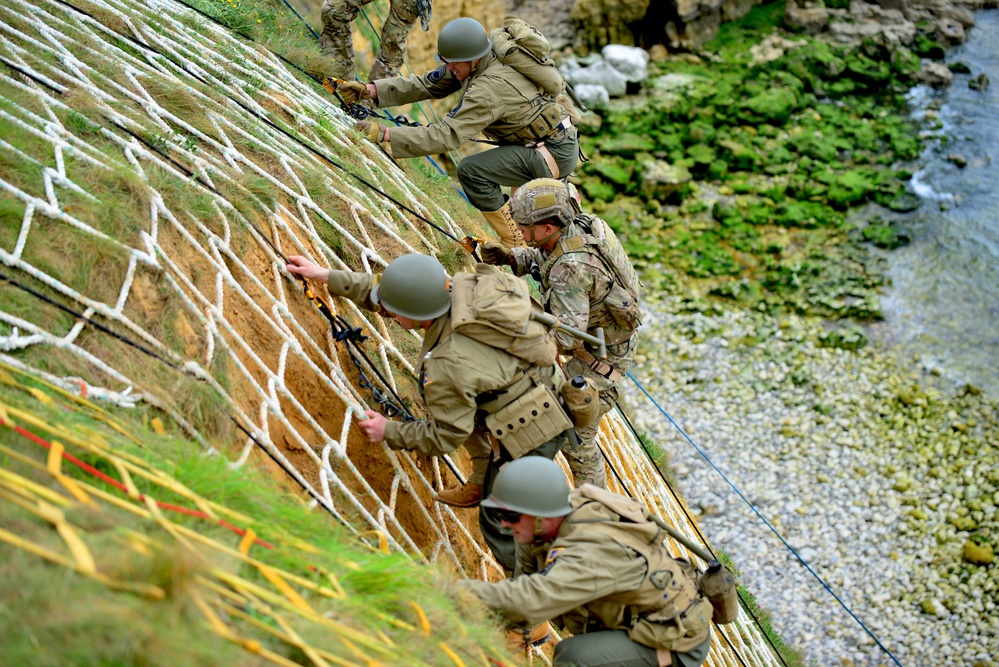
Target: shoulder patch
<point>437,74</point>
<point>425,380</point>
<point>552,555</point>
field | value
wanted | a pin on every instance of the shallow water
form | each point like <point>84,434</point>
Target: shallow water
<point>943,304</point>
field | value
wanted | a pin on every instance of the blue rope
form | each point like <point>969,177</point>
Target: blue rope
<point>295,12</point>
<point>764,520</point>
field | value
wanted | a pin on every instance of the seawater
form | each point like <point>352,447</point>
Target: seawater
<point>943,302</point>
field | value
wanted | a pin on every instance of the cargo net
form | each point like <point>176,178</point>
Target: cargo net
<point>155,170</point>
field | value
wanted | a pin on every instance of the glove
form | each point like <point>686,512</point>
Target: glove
<point>353,91</point>
<point>497,254</point>
<point>373,131</point>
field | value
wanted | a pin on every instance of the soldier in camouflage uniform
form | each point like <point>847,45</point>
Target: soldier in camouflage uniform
<point>587,282</point>
<point>533,130</point>
<point>337,42</point>
<point>462,380</point>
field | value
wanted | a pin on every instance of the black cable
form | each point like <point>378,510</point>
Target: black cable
<point>139,346</point>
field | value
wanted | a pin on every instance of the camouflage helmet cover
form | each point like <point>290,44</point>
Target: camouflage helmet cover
<point>543,199</point>
<point>462,40</point>
<point>531,485</point>
<point>413,286</point>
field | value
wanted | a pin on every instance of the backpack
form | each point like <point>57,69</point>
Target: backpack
<point>522,46</point>
<point>494,307</point>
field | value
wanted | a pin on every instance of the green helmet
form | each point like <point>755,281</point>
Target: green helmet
<point>462,40</point>
<point>531,485</point>
<point>414,286</point>
<point>542,200</point>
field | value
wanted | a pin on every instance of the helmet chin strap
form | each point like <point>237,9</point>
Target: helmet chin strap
<point>534,243</point>
<point>537,530</point>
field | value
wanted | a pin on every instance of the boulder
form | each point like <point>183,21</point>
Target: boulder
<point>601,22</point>
<point>936,75</point>
<point>593,96</point>
<point>980,82</point>
<point>810,19</point>
<point>661,180</point>
<point>630,61</point>
<point>950,32</point>
<point>602,74</point>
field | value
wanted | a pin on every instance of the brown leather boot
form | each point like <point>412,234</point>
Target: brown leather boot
<point>518,640</point>
<point>467,495</point>
<point>507,230</point>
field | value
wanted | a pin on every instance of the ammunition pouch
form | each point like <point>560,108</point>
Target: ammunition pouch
<point>529,421</point>
<point>536,121</point>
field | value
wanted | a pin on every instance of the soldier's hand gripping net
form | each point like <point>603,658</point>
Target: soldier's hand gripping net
<point>353,91</point>
<point>497,254</point>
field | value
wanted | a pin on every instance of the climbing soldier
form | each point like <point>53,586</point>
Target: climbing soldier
<point>524,115</point>
<point>337,42</point>
<point>594,562</point>
<point>464,382</point>
<point>587,282</point>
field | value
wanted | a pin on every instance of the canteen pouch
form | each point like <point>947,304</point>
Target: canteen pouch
<point>718,586</point>
<point>528,422</point>
<point>582,403</point>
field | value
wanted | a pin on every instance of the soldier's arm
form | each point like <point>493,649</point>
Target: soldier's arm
<point>450,399</point>
<point>415,88</point>
<point>524,257</point>
<point>569,288</point>
<point>478,109</point>
<point>580,574</point>
<point>355,286</point>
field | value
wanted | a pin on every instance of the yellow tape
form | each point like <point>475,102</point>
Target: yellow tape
<point>272,576</point>
<point>451,654</point>
<point>249,537</point>
<point>39,394</point>
<point>421,617</point>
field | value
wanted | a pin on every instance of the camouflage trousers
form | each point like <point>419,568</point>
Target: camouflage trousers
<point>584,459</point>
<point>336,40</point>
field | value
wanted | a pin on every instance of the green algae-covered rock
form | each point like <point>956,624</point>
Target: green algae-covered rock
<point>978,552</point>
<point>850,187</point>
<point>738,155</point>
<point>613,171</point>
<point>599,191</point>
<point>814,146</point>
<point>661,180</point>
<point>626,144</point>
<point>846,338</point>
<point>772,106</point>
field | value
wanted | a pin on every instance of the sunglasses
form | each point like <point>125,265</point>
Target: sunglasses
<point>510,516</point>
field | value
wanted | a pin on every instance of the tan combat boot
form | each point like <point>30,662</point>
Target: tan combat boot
<point>505,227</point>
<point>518,640</point>
<point>467,495</point>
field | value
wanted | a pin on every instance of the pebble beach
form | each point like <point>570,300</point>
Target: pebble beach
<point>881,475</point>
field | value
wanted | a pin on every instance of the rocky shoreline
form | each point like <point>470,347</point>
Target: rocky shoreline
<point>885,485</point>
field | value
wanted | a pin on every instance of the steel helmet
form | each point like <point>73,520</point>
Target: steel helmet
<point>414,286</point>
<point>542,200</point>
<point>531,485</point>
<point>462,40</point>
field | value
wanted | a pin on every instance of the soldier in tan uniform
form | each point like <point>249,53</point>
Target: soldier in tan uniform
<point>462,380</point>
<point>594,562</point>
<point>587,281</point>
<point>337,42</point>
<point>536,138</point>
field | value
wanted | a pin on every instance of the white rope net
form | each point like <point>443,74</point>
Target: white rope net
<point>226,153</point>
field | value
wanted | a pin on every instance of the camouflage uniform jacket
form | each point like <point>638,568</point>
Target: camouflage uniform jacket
<point>575,284</point>
<point>493,99</point>
<point>457,374</point>
<point>591,577</point>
